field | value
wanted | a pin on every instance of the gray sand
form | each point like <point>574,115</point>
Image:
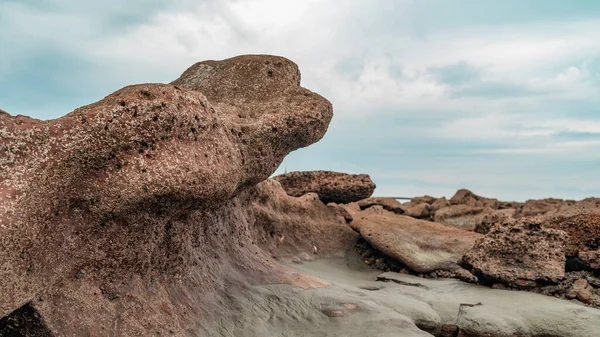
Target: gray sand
<point>355,304</point>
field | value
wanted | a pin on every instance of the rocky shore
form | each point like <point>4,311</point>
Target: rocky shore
<point>151,213</point>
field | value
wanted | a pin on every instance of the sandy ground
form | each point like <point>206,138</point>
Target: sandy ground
<point>356,304</point>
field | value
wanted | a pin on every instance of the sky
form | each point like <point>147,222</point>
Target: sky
<point>429,96</point>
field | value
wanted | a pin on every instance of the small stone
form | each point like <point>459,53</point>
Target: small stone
<point>305,256</point>
<point>332,312</point>
<point>587,295</point>
<point>578,285</point>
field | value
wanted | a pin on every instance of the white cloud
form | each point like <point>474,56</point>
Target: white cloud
<point>368,58</point>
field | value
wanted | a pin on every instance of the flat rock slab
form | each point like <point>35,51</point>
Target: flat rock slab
<point>423,246</point>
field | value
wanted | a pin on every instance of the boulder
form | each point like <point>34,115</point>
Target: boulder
<point>424,199</point>
<point>130,216</point>
<point>489,220</point>
<point>583,231</point>
<point>584,292</point>
<point>466,197</point>
<point>591,259</point>
<point>539,207</point>
<point>439,204</point>
<point>520,254</point>
<point>423,246</point>
<point>461,216</point>
<point>389,204</point>
<point>417,211</point>
<point>340,211</point>
<point>329,186</point>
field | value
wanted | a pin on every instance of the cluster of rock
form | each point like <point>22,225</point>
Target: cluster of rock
<point>548,246</point>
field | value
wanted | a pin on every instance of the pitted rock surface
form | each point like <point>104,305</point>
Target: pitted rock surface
<point>583,231</point>
<point>520,253</point>
<point>118,218</point>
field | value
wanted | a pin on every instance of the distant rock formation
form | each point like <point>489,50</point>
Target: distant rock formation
<point>389,204</point>
<point>341,188</point>
<point>466,197</point>
<point>130,215</point>
<point>549,246</point>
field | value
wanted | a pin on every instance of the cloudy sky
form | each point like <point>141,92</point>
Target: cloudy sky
<point>501,97</point>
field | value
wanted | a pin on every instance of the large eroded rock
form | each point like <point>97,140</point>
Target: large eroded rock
<point>423,246</point>
<point>329,186</point>
<point>520,253</point>
<point>127,217</point>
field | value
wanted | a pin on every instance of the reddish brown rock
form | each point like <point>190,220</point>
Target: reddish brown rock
<point>423,246</point>
<point>590,258</point>
<point>466,197</point>
<point>127,216</point>
<point>424,199</point>
<point>329,186</point>
<point>538,207</point>
<point>389,204</point>
<point>583,231</point>
<point>285,226</point>
<point>520,253</point>
<point>577,287</point>
<point>570,208</point>
<point>417,211</point>
<point>489,220</point>
<point>461,216</point>
<point>340,211</point>
<point>439,204</point>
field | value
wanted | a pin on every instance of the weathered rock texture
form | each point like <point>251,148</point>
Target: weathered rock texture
<point>329,186</point>
<point>289,227</point>
<point>423,246</point>
<point>461,216</point>
<point>466,197</point>
<point>520,254</point>
<point>126,217</point>
<point>583,231</point>
<point>417,210</point>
